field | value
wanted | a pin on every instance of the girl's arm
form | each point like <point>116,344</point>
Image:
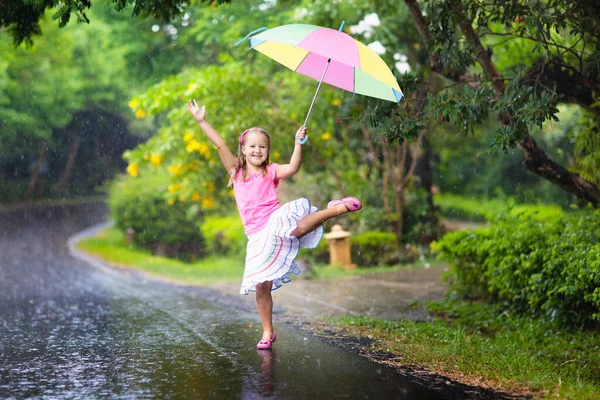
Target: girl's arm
<point>286,170</point>
<point>227,158</point>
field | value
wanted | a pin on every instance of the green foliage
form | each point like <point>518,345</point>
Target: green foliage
<point>21,19</point>
<point>587,148</point>
<point>549,268</point>
<point>474,209</point>
<point>140,203</point>
<point>318,255</point>
<point>52,84</point>
<point>224,236</point>
<point>465,107</point>
<point>373,249</point>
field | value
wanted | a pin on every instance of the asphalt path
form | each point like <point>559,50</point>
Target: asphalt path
<point>76,329</point>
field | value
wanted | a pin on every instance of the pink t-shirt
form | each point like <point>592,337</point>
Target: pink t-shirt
<point>256,198</point>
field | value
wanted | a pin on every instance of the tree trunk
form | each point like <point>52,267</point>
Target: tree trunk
<point>536,160</point>
<point>395,167</point>
<point>539,163</point>
<point>381,167</point>
<point>65,177</point>
<point>34,181</point>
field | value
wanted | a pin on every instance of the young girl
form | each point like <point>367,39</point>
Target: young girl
<point>275,232</point>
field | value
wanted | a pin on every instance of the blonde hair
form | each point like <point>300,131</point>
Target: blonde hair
<point>241,158</point>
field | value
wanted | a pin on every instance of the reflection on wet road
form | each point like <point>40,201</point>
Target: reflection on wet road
<point>71,330</point>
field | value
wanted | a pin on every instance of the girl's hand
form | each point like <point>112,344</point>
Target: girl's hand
<point>197,112</point>
<point>301,133</point>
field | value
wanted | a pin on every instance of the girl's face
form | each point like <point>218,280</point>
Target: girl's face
<point>255,148</point>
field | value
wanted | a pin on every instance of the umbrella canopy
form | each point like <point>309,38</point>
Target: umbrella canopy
<point>330,56</point>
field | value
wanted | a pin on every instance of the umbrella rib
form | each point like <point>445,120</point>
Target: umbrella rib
<point>303,58</point>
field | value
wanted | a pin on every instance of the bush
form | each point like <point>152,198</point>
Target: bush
<point>139,203</point>
<point>224,236</point>
<point>318,255</point>
<point>548,268</point>
<point>379,248</point>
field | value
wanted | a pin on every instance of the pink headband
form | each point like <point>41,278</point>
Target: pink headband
<point>243,136</point>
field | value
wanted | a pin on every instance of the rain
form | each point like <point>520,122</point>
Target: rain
<point>449,150</point>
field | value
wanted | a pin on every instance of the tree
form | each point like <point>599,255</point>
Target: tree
<point>67,72</point>
<point>563,38</point>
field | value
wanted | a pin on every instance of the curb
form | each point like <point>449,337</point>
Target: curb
<point>85,257</point>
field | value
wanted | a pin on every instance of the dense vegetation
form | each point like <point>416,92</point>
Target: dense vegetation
<point>547,268</point>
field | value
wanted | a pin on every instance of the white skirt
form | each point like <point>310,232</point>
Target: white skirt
<point>270,253</point>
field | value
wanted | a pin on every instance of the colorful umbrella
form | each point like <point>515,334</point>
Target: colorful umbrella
<point>328,56</point>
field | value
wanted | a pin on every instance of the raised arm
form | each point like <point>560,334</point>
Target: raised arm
<point>227,158</point>
<point>287,170</point>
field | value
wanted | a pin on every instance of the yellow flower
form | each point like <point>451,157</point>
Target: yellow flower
<point>155,160</point>
<point>196,197</point>
<point>181,197</point>
<point>211,187</point>
<point>417,46</point>
<point>146,156</point>
<point>214,105</point>
<point>231,193</point>
<point>208,202</point>
<point>276,154</point>
<point>192,146</point>
<point>133,104</point>
<point>171,202</point>
<point>203,149</point>
<point>326,136</point>
<point>141,113</point>
<point>176,170</point>
<point>188,136</point>
<point>174,188</point>
<point>337,102</point>
<point>132,169</point>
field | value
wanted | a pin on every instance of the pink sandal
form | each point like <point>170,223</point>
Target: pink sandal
<point>351,203</point>
<point>267,344</point>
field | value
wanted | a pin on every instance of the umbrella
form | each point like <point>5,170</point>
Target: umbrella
<point>329,56</point>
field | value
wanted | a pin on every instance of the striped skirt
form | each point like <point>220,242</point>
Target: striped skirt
<point>270,253</point>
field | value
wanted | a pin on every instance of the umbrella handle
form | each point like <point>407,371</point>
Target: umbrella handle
<point>302,141</point>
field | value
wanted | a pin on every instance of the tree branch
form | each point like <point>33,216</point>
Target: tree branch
<point>536,160</point>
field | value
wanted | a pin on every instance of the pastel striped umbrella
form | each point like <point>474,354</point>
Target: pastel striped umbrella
<point>329,56</point>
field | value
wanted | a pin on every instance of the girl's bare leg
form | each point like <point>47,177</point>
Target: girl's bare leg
<point>264,304</point>
<point>313,220</point>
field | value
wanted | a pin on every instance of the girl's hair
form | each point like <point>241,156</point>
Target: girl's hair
<point>241,158</point>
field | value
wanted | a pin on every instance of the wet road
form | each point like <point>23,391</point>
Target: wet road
<point>70,330</point>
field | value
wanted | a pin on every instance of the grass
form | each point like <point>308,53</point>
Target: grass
<point>478,344</point>
<point>472,209</point>
<point>109,245</point>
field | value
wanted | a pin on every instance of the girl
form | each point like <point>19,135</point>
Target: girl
<point>275,232</point>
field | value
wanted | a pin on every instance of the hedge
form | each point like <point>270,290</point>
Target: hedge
<point>546,268</point>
